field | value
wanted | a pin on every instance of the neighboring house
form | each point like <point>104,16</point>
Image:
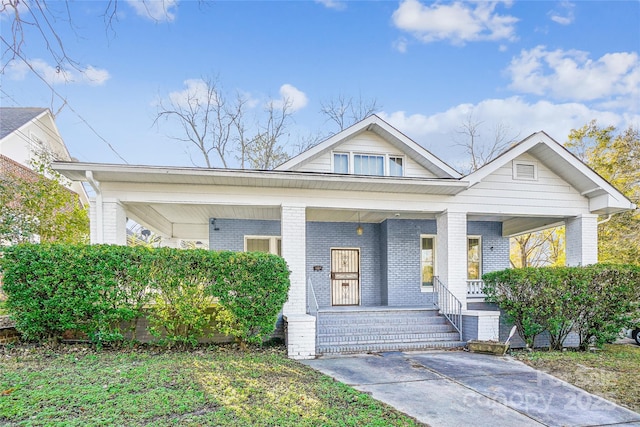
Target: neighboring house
<point>26,132</point>
<point>376,230</point>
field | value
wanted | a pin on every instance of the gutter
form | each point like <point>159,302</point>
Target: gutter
<point>99,211</point>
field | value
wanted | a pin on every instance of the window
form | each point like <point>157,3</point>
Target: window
<point>395,166</point>
<point>367,164</point>
<point>527,171</point>
<point>427,259</point>
<point>340,163</point>
<point>267,244</point>
<point>474,256</point>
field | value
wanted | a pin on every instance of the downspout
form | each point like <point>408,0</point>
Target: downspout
<point>605,220</point>
<point>99,213</point>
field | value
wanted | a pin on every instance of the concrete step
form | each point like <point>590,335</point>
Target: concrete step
<point>336,321</point>
<point>392,338</point>
<point>385,329</point>
<point>381,347</point>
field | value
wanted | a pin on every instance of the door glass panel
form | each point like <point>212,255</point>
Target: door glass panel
<point>427,260</point>
<point>473,258</point>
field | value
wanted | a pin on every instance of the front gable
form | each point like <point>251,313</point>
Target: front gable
<point>540,173</point>
<point>376,141</point>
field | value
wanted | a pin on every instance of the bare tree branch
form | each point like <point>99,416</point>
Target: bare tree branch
<point>345,111</point>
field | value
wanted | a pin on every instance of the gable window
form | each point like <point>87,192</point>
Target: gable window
<point>340,163</point>
<point>427,259</point>
<point>474,257</point>
<point>396,166</point>
<point>368,164</point>
<point>526,171</point>
<point>266,244</point>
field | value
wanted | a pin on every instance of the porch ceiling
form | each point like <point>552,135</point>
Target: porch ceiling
<point>192,220</point>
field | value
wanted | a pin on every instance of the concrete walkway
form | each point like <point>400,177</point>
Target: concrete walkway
<point>455,388</point>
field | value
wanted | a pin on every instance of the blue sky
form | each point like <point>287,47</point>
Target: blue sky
<point>526,66</point>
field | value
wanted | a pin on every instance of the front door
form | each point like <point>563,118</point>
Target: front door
<point>345,276</point>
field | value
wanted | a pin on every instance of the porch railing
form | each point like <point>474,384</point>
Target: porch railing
<point>312,301</point>
<point>449,305</point>
<point>475,288</point>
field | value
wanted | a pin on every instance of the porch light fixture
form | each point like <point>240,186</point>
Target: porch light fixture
<point>215,227</point>
<point>359,229</point>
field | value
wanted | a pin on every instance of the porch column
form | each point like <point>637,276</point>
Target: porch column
<point>300,327</point>
<point>581,236</point>
<point>114,224</point>
<point>451,253</point>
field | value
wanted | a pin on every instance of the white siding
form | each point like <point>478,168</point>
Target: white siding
<point>370,143</point>
<point>499,192</point>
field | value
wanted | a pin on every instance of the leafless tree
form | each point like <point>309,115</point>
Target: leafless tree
<point>345,111</point>
<point>266,150</point>
<point>206,118</point>
<point>480,150</point>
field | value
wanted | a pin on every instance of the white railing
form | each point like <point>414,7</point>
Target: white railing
<point>475,288</point>
<point>312,301</point>
<point>449,305</point>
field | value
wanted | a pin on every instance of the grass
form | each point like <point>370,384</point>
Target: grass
<point>220,386</point>
<point>612,373</point>
<point>3,309</point>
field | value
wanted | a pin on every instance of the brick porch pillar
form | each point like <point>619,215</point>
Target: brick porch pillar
<point>451,253</point>
<point>301,327</point>
<point>581,238</point>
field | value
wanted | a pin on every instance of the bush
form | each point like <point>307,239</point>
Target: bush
<point>99,289</point>
<point>52,289</point>
<point>596,301</point>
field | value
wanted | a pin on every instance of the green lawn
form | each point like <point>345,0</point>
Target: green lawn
<point>222,387</point>
<point>3,309</point>
<point>613,372</point>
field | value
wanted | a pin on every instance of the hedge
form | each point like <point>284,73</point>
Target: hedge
<point>102,291</point>
<point>595,301</point>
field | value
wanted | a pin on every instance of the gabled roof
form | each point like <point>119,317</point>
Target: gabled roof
<point>12,119</point>
<point>376,125</point>
<point>604,197</point>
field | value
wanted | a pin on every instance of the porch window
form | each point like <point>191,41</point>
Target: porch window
<point>266,244</point>
<point>367,164</point>
<point>395,166</point>
<point>474,257</point>
<point>427,259</point>
<point>340,163</point>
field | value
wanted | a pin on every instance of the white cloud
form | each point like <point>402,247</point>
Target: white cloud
<point>155,10</point>
<point>400,45</point>
<point>53,75</point>
<point>572,75</point>
<point>563,14</point>
<point>296,98</point>
<point>196,91</point>
<point>333,4</point>
<point>439,133</point>
<point>457,22</point>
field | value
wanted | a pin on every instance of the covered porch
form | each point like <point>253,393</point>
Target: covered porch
<point>404,233</point>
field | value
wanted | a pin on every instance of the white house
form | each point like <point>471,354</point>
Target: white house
<point>26,132</point>
<point>385,242</point>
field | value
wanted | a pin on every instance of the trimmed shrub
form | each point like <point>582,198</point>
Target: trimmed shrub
<point>52,289</point>
<point>98,289</point>
<point>595,301</point>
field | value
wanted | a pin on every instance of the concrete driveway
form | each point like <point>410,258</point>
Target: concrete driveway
<point>455,388</point>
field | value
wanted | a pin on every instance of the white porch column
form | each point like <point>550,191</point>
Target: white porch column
<point>581,236</point>
<point>451,253</point>
<point>294,251</point>
<point>301,327</point>
<point>114,222</point>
